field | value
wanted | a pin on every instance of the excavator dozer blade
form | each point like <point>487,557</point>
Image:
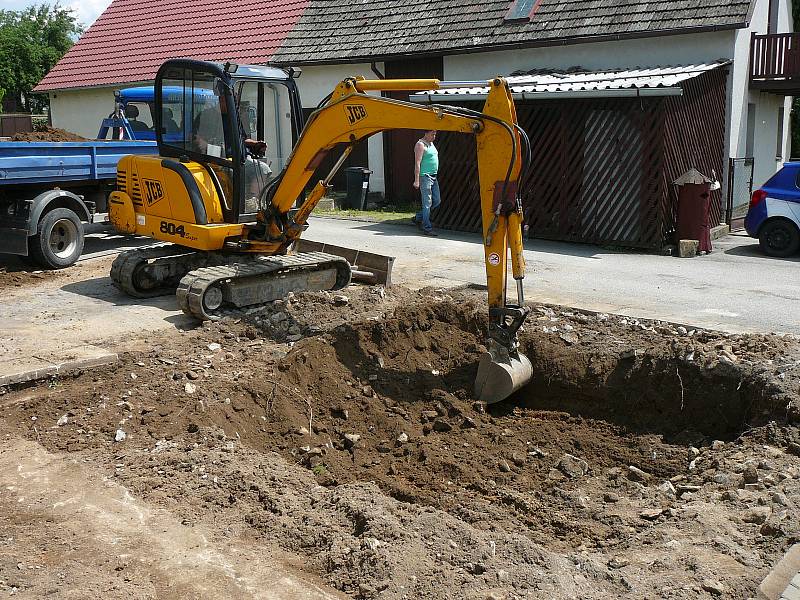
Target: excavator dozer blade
<point>500,376</point>
<point>367,267</point>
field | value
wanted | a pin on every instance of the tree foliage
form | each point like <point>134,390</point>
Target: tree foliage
<point>32,40</point>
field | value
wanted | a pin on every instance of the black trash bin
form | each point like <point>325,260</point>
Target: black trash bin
<point>357,187</point>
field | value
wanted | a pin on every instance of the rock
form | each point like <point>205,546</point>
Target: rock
<point>503,576</point>
<point>402,438</point>
<point>428,415</point>
<point>214,346</point>
<point>572,466</point>
<point>636,474</point>
<point>192,428</point>
<point>120,435</point>
<point>192,375</point>
<point>441,425</point>
<point>771,527</point>
<point>713,586</point>
<point>758,514</point>
<point>368,391</point>
<point>190,388</point>
<point>468,423</point>
<point>721,478</point>
<point>295,337</point>
<point>351,439</point>
<point>750,474</point>
<point>651,514</point>
<point>793,448</point>
<point>693,453</point>
<point>341,300</point>
<point>610,497</point>
<point>278,317</point>
<point>667,489</point>
<point>63,420</point>
<point>632,353</point>
<point>717,445</point>
<point>503,466</point>
<point>779,498</point>
<point>518,459</point>
<point>617,563</point>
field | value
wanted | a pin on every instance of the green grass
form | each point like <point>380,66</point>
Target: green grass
<point>371,215</point>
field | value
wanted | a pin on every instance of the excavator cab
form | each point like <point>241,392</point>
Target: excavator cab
<point>214,114</point>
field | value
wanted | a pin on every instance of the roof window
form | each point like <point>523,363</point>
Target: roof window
<point>521,11</point>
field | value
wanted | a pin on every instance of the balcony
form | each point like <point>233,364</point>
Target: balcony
<point>775,63</point>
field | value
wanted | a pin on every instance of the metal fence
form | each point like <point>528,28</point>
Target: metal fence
<point>740,188</point>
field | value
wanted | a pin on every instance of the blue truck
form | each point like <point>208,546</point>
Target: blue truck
<point>48,190</point>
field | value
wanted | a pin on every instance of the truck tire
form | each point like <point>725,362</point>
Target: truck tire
<point>59,241</point>
<point>779,237</point>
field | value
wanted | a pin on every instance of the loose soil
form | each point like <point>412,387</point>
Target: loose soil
<point>50,134</point>
<point>645,459</point>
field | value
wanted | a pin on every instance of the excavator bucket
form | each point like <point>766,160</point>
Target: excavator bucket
<point>367,267</point>
<point>500,374</point>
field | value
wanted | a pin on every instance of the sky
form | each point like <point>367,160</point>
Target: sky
<point>85,10</point>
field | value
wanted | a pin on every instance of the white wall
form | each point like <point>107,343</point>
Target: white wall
<point>767,159</point>
<point>80,111</point>
<point>318,81</point>
<point>667,50</point>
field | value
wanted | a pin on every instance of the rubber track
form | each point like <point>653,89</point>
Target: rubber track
<point>124,267</point>
<point>195,284</point>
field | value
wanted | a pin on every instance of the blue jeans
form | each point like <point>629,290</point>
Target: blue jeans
<point>429,190</point>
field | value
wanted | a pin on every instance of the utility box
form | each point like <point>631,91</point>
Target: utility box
<point>357,187</point>
<point>694,208</point>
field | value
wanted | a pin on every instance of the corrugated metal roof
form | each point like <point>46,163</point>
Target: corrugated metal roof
<point>356,30</point>
<point>642,81</point>
<point>132,38</point>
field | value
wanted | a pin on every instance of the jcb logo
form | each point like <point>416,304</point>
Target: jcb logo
<point>153,192</point>
<point>355,112</point>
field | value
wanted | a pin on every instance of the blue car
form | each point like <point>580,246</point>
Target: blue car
<point>774,213</point>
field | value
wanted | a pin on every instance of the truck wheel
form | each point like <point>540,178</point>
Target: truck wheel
<point>779,237</point>
<point>59,241</point>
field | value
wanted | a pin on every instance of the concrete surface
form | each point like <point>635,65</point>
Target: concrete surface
<point>780,583</point>
<point>735,288</point>
<point>40,365</point>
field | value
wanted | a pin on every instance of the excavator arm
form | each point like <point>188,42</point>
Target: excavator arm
<point>349,115</point>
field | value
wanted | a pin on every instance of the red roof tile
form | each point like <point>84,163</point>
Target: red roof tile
<point>131,39</point>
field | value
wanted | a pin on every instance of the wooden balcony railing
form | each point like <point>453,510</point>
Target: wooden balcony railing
<point>775,61</point>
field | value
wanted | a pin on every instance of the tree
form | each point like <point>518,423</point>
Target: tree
<point>31,43</point>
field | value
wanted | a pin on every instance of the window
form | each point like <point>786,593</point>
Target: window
<point>194,114</point>
<point>522,10</point>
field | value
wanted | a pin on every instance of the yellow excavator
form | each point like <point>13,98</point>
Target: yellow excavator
<point>233,209</point>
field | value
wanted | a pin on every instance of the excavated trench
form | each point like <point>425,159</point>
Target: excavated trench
<point>313,448</point>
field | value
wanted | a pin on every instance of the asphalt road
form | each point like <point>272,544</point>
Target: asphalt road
<point>735,288</point>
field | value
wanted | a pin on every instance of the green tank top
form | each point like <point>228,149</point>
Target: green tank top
<point>430,161</point>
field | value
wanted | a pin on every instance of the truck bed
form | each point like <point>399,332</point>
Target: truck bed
<point>58,162</point>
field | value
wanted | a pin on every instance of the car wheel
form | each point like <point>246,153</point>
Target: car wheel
<point>59,240</point>
<point>779,238</point>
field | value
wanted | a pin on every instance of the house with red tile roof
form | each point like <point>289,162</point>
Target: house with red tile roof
<point>129,41</point>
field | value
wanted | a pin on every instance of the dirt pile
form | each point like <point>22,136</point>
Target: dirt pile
<point>50,134</point>
<point>19,278</point>
<point>361,450</point>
